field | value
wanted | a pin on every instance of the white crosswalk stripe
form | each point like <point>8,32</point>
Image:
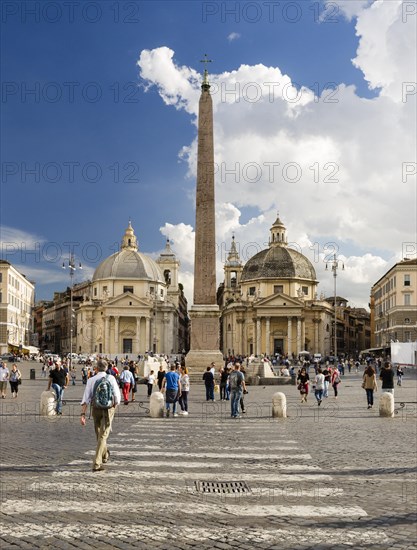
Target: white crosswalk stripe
<point>153,472</point>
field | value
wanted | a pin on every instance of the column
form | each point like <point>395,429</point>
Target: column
<point>138,334</point>
<point>147,334</point>
<point>267,335</point>
<point>258,337</point>
<point>316,335</point>
<point>243,346</point>
<point>289,336</point>
<point>106,344</point>
<point>116,333</point>
<point>298,334</point>
<point>166,326</point>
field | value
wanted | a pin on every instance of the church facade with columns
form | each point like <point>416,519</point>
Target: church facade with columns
<point>134,305</point>
<point>270,304</point>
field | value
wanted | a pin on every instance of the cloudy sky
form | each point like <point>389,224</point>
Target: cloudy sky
<point>314,117</point>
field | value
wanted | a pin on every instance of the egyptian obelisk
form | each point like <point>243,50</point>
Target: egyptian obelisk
<point>205,313</point>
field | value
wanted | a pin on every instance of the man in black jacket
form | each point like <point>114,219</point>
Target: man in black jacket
<point>58,379</point>
<point>387,377</point>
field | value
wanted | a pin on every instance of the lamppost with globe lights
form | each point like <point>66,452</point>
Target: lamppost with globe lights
<point>72,268</point>
<point>335,266</point>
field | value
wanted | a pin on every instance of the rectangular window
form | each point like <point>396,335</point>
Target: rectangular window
<point>128,289</point>
<point>252,291</point>
<point>95,291</point>
<point>278,289</point>
<point>407,281</point>
<point>1,277</point>
<point>305,290</point>
<point>407,336</point>
<point>407,299</point>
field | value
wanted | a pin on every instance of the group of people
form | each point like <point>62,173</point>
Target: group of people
<point>13,377</point>
<point>324,378</point>
<point>331,376</point>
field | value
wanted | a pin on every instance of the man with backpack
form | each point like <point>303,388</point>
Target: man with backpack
<point>103,394</point>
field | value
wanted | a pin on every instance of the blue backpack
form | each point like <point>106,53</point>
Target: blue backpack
<point>103,394</point>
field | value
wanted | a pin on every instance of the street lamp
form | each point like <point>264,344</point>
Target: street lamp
<point>335,266</point>
<point>72,268</point>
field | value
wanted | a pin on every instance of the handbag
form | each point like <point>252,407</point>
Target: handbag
<point>19,381</point>
<point>216,388</point>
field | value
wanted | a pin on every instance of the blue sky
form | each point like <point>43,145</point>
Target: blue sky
<point>123,142</point>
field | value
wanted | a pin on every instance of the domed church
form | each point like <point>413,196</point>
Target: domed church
<point>269,305</point>
<point>135,304</point>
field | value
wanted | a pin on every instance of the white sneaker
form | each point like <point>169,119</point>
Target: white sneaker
<point>185,413</point>
<point>175,415</point>
<point>181,413</point>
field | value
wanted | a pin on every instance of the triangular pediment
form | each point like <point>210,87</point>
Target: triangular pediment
<point>279,300</point>
<point>124,301</point>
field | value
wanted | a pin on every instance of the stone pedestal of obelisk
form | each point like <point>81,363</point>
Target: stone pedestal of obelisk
<point>205,313</point>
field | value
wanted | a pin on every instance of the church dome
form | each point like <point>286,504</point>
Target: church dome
<point>278,261</point>
<point>129,263</point>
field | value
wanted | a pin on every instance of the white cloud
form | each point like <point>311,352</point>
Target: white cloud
<point>349,8</point>
<point>233,36</point>
<point>339,176</point>
<point>387,46</point>
<point>13,239</point>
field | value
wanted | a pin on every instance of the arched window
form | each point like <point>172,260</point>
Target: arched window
<point>229,328</point>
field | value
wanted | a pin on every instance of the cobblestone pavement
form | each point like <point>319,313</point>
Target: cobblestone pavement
<point>331,477</point>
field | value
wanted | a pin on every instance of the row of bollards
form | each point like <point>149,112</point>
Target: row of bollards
<point>157,401</point>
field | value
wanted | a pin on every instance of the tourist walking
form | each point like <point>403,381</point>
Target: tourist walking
<point>303,380</point>
<point>335,381</point>
<point>172,386</point>
<point>387,377</point>
<point>58,380</point>
<point>151,382</point>
<point>237,385</point>
<point>73,375</point>
<point>370,385</point>
<point>160,377</point>
<point>4,377</point>
<point>134,370</point>
<point>15,379</point>
<point>224,375</point>
<point>185,388</point>
<point>319,386</point>
<point>208,378</point>
<point>327,376</point>
<point>104,396</point>
<point>400,374</point>
<point>127,381</point>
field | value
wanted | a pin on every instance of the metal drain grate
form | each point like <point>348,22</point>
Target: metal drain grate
<point>230,487</point>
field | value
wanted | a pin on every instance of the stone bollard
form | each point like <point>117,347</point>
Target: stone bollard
<point>386,405</point>
<point>48,403</point>
<point>279,405</point>
<point>156,405</point>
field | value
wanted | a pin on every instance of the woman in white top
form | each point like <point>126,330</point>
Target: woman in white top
<point>319,383</point>
<point>185,388</point>
<point>151,382</point>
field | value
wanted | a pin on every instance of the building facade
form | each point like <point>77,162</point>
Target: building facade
<point>270,305</point>
<point>17,296</point>
<point>134,305</point>
<point>394,305</point>
<point>353,328</point>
